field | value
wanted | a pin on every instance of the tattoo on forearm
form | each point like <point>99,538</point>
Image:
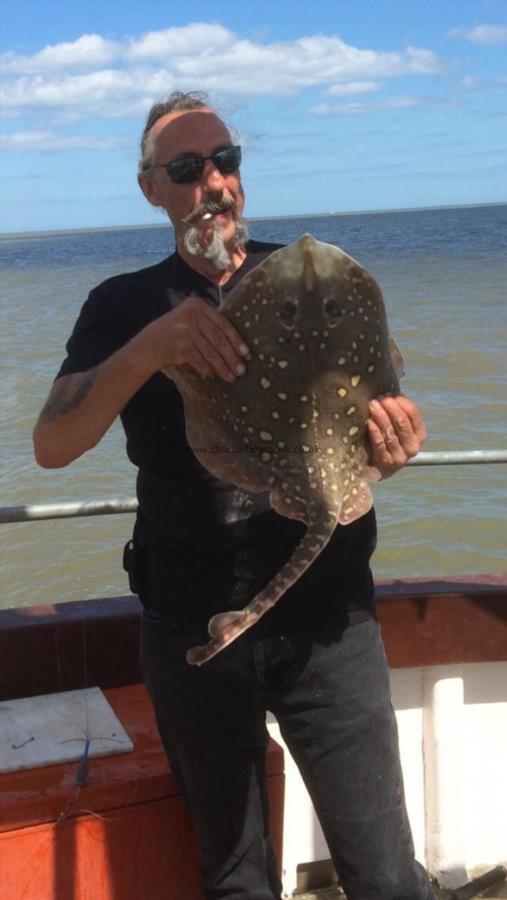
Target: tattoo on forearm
<point>68,396</point>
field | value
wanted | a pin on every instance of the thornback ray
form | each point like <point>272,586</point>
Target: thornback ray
<point>295,423</point>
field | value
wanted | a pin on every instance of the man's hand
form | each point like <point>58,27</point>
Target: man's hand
<point>396,432</point>
<point>197,335</point>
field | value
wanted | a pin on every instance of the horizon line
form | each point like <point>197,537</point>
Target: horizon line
<point>314,215</point>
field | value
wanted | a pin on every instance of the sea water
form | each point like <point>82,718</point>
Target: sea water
<point>443,273</point>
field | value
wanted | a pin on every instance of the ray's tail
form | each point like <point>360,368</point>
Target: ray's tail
<point>225,627</point>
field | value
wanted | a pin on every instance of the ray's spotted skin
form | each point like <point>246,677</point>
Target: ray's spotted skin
<point>294,424</point>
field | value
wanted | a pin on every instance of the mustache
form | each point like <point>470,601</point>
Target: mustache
<point>212,205</point>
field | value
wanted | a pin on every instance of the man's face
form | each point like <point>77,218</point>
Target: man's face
<point>200,132</point>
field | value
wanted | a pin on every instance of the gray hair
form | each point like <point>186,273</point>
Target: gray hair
<point>176,102</point>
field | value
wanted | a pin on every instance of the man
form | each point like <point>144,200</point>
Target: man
<point>316,660</point>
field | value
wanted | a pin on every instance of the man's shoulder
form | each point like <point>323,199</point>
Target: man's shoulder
<point>263,247</point>
<point>114,312</point>
<point>127,283</point>
<point>256,253</point>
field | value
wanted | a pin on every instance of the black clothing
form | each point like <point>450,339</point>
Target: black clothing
<point>200,549</point>
<point>329,693</point>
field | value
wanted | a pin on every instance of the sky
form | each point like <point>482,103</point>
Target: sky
<point>340,105</point>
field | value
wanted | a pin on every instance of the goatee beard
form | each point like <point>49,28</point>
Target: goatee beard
<point>218,252</point>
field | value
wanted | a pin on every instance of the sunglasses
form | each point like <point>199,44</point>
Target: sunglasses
<point>189,168</point>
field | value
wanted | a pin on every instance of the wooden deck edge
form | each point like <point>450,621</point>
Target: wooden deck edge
<point>64,646</point>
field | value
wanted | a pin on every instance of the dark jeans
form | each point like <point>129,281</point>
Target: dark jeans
<point>331,699</point>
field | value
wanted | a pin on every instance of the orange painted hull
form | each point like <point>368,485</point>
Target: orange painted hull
<point>129,836</point>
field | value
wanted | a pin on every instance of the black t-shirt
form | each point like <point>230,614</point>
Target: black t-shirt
<point>204,546</point>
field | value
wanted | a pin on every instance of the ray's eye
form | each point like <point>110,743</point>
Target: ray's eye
<point>287,314</point>
<point>333,311</point>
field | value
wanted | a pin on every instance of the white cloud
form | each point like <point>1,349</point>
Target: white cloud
<point>47,140</point>
<point>353,109</point>
<point>198,37</point>
<point>89,51</point>
<point>489,35</point>
<point>470,82</point>
<point>282,68</point>
<point>108,92</point>
<point>202,55</point>
<point>93,77</point>
<point>352,88</point>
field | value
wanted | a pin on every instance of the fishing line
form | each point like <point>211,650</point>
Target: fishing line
<point>82,768</point>
<point>103,818</point>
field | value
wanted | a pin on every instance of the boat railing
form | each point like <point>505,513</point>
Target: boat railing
<point>33,512</point>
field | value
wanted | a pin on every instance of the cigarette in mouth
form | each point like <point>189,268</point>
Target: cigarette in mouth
<point>206,216</point>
